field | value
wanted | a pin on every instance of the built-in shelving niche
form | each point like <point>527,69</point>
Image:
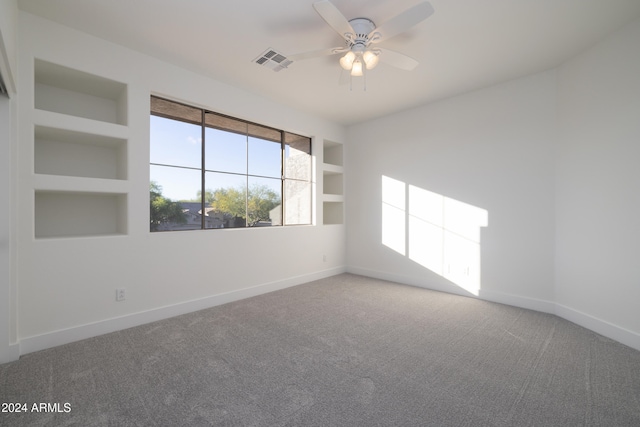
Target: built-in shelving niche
<point>67,91</point>
<point>332,183</point>
<point>79,153</point>
<point>332,153</point>
<point>332,212</point>
<point>70,153</point>
<point>75,214</point>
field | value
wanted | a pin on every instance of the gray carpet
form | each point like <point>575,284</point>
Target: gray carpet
<point>343,351</point>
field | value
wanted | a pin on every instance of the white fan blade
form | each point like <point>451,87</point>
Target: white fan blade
<point>317,53</point>
<point>334,18</point>
<point>402,22</point>
<point>397,59</point>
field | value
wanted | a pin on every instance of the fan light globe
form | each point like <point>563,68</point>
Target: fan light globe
<point>356,71</point>
<point>346,61</point>
<point>370,59</point>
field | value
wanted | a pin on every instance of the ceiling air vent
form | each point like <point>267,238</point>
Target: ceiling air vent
<point>272,59</point>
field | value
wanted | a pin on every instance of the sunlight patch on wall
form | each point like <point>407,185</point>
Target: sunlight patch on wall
<point>393,214</point>
<point>440,233</point>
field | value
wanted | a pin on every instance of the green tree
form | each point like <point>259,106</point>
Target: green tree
<point>163,210</point>
<point>208,197</point>
<point>234,202</point>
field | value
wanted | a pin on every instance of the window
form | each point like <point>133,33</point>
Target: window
<point>209,170</point>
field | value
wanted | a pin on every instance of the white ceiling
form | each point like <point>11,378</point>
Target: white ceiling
<point>464,45</point>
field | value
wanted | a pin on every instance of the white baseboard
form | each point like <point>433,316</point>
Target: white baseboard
<point>493,296</point>
<point>409,280</point>
<point>10,353</point>
<point>602,327</point>
<point>535,304</point>
<point>77,333</point>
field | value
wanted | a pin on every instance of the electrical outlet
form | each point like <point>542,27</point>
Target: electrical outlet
<point>324,258</point>
<point>121,294</point>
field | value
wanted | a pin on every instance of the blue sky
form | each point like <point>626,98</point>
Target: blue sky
<point>178,143</point>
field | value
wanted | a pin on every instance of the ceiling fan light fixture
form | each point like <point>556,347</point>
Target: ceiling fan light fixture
<point>347,60</point>
<point>361,35</point>
<point>371,59</point>
<point>356,71</point>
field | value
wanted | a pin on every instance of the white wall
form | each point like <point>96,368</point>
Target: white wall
<point>7,247</point>
<point>491,149</point>
<point>598,198</point>
<point>67,286</point>
<point>8,350</point>
<point>552,157</point>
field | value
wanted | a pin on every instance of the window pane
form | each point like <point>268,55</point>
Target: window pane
<point>298,158</point>
<point>225,151</point>
<point>264,206</point>
<point>297,205</point>
<point>245,168</point>
<point>175,143</point>
<point>225,200</point>
<point>174,200</point>
<point>178,184</point>
<point>265,158</point>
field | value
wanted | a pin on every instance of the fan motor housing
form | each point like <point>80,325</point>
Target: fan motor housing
<point>362,27</point>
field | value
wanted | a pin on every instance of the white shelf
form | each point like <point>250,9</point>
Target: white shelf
<point>332,183</point>
<point>75,214</point>
<point>77,93</point>
<point>335,198</point>
<point>45,182</point>
<point>328,169</point>
<point>70,153</point>
<point>52,119</point>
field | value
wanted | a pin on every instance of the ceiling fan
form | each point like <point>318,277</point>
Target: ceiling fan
<point>362,36</point>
